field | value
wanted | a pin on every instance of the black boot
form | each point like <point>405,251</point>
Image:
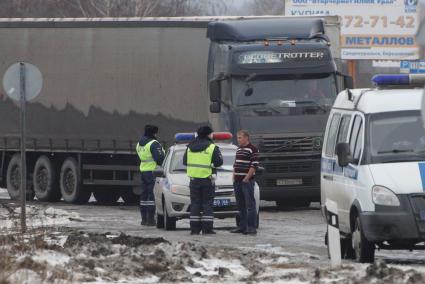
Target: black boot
<point>144,220</point>
<point>150,219</point>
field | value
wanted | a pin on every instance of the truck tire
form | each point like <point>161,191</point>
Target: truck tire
<point>45,180</point>
<point>129,197</point>
<point>169,222</point>
<point>364,250</point>
<point>106,195</point>
<point>13,179</point>
<point>70,183</point>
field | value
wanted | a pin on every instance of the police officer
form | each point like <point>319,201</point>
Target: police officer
<point>151,154</point>
<point>200,156</point>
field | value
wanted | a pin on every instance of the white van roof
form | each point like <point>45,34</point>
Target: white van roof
<point>380,100</point>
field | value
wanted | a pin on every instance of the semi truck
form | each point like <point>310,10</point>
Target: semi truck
<point>104,79</point>
<point>278,78</point>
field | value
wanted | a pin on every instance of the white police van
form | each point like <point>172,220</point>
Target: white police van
<point>373,166</point>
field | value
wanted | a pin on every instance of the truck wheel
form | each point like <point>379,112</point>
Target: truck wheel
<point>13,179</point>
<point>364,250</point>
<point>129,197</point>
<point>105,195</point>
<point>45,181</point>
<point>169,222</point>
<point>70,183</point>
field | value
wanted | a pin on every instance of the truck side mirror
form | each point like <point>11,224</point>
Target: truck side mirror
<point>215,90</point>
<point>343,154</point>
<point>348,82</point>
<point>159,173</point>
<point>215,107</point>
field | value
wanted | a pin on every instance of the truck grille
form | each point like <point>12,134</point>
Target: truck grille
<point>284,168</point>
<point>289,144</point>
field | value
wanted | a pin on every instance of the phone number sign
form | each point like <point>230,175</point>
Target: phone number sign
<point>370,29</point>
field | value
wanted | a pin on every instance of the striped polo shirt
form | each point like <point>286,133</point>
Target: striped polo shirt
<point>246,157</point>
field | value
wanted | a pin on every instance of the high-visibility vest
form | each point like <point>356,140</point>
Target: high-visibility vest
<point>199,163</point>
<point>147,163</point>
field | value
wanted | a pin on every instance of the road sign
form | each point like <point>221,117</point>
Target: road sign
<point>412,67</point>
<point>33,81</point>
<point>23,82</point>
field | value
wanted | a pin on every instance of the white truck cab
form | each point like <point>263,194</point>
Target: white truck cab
<point>373,166</point>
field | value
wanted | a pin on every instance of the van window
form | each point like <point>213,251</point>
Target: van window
<point>333,129</point>
<point>356,137</point>
<point>343,128</point>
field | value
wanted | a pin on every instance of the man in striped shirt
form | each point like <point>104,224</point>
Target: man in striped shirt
<point>246,163</point>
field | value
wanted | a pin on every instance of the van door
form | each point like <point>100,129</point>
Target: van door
<point>351,172</point>
<point>327,164</point>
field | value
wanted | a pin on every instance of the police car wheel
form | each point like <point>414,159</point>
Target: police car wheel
<point>45,180</point>
<point>70,183</point>
<point>159,221</point>
<point>363,249</point>
<point>169,222</point>
<point>13,180</point>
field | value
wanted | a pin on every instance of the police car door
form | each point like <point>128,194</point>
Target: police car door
<point>339,178</point>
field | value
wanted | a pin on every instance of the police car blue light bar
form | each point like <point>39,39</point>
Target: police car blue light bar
<point>187,137</point>
<point>399,79</point>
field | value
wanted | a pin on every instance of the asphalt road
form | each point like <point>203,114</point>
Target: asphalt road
<point>299,231</point>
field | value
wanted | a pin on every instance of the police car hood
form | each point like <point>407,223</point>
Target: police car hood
<point>224,178</point>
<point>401,178</point>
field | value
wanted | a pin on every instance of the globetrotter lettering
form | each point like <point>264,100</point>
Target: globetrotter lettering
<point>277,57</point>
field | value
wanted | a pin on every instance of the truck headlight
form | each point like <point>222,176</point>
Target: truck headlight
<point>180,190</point>
<point>384,196</point>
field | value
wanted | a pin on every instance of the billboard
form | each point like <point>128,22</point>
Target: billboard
<point>370,29</point>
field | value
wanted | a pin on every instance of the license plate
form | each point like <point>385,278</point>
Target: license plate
<point>289,181</point>
<point>422,213</point>
<point>221,202</point>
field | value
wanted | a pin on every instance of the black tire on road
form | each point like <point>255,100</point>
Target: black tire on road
<point>70,183</point>
<point>45,180</point>
<point>169,222</point>
<point>129,197</point>
<point>364,250</point>
<point>159,221</point>
<point>106,195</point>
<point>13,179</point>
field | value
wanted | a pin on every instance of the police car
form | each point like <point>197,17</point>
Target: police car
<point>373,166</point>
<point>172,194</point>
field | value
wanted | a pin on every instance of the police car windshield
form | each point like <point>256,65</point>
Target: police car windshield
<point>178,167</point>
<point>397,136</point>
<point>282,92</point>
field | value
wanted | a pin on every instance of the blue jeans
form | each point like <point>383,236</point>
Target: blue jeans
<point>245,199</point>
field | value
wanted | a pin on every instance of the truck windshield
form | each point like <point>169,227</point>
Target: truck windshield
<point>228,160</point>
<point>397,137</point>
<point>284,93</point>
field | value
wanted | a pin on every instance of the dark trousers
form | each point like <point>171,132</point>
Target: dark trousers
<point>201,205</point>
<point>245,199</point>
<point>147,203</point>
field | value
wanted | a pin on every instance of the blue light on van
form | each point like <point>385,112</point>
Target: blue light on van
<point>399,80</point>
<point>391,79</point>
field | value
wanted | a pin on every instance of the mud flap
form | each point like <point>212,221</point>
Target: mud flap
<point>334,243</point>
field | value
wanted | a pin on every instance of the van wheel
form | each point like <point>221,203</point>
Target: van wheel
<point>169,222</point>
<point>105,195</point>
<point>13,180</point>
<point>70,183</point>
<point>364,250</point>
<point>347,251</point>
<point>45,180</point>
